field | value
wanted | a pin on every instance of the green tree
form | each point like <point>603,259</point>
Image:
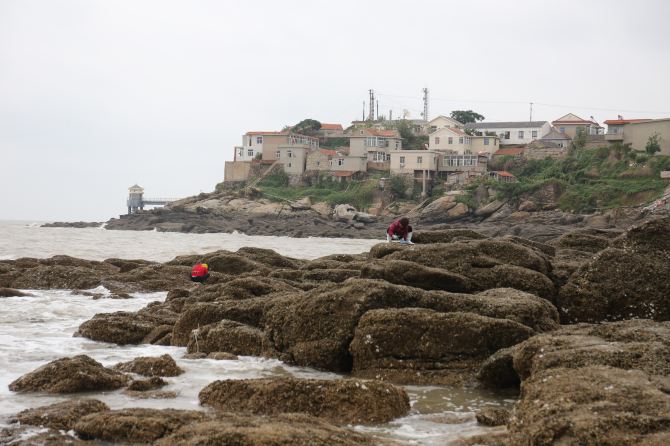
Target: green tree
<point>307,127</point>
<point>466,116</point>
<point>653,145</point>
<point>579,141</point>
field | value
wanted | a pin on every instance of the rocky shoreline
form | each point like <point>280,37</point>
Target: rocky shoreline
<point>232,211</point>
<point>578,320</point>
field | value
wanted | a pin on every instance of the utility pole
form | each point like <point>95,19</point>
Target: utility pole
<point>377,103</point>
<point>425,104</point>
<point>531,112</point>
<point>363,110</point>
<point>390,115</point>
<point>371,115</point>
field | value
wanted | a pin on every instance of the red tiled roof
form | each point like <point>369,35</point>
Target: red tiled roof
<point>328,152</point>
<point>624,121</point>
<point>503,173</point>
<point>343,173</point>
<point>331,126</point>
<point>510,151</point>
<point>582,121</point>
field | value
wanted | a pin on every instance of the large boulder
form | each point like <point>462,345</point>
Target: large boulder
<point>151,366</point>
<point>338,401</point>
<point>25,435</point>
<point>593,405</point>
<point>280,430</point>
<point>487,263</point>
<point>11,292</point>
<point>59,416</point>
<point>415,344</point>
<point>232,337</point>
<point>626,280</point>
<point>135,426</point>
<point>247,311</point>
<point>315,328</point>
<point>409,273</point>
<point>68,375</point>
<point>445,236</point>
<point>123,327</point>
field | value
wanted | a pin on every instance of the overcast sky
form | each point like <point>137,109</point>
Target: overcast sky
<point>98,95</point>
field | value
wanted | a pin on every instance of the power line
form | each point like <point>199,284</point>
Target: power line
<point>544,104</point>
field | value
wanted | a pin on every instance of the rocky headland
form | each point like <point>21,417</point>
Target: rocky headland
<point>578,321</point>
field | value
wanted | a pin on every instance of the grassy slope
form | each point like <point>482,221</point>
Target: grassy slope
<point>592,179</point>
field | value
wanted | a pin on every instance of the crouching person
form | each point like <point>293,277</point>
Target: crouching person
<point>400,231</point>
<point>200,272</point>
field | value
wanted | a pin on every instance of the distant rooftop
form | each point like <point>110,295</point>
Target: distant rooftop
<point>325,126</point>
<point>504,125</point>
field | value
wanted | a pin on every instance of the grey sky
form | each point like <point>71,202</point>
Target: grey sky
<point>98,95</point>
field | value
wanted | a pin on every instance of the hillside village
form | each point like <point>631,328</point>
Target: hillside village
<point>440,150</point>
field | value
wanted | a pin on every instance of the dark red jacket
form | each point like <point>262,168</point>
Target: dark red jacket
<point>399,230</point>
<point>199,270</point>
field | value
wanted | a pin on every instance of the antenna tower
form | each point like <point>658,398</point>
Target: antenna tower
<point>425,104</point>
<point>371,115</point>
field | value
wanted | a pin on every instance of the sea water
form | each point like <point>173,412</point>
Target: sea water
<point>37,329</point>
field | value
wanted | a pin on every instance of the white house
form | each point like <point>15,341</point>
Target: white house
<point>512,132</point>
<point>449,139</point>
<point>441,122</point>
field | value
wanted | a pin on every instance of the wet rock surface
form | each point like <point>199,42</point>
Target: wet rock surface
<point>59,416</point>
<point>338,401</point>
<point>280,430</point>
<point>626,280</point>
<point>151,366</point>
<point>70,375</point>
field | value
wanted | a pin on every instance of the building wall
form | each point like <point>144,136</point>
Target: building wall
<point>349,163</point>
<point>637,134</point>
<point>357,146</point>
<point>488,144</point>
<point>270,145</point>
<point>297,162</point>
<point>514,137</point>
<point>539,153</point>
<point>411,161</point>
<point>236,170</point>
<point>439,140</point>
<point>442,122</point>
<point>318,161</point>
<point>570,130</point>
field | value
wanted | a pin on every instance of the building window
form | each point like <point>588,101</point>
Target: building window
<point>534,133</point>
<point>388,157</point>
<point>340,161</point>
<point>288,165</point>
<point>239,152</point>
<point>505,135</point>
<point>250,152</point>
<point>419,160</point>
<point>397,144</point>
<point>450,140</point>
<point>561,129</point>
<point>289,154</point>
<point>318,163</point>
<point>437,140</point>
<point>520,134</point>
<point>486,141</point>
<point>495,142</point>
<point>278,154</point>
<point>259,140</point>
<point>460,140</point>
<point>402,160</point>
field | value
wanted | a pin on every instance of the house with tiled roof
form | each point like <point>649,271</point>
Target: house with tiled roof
<point>330,130</point>
<point>637,132</point>
<point>267,143</point>
<point>450,139</point>
<point>375,145</point>
<point>554,137</point>
<point>441,122</point>
<point>570,124</point>
<point>511,132</point>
